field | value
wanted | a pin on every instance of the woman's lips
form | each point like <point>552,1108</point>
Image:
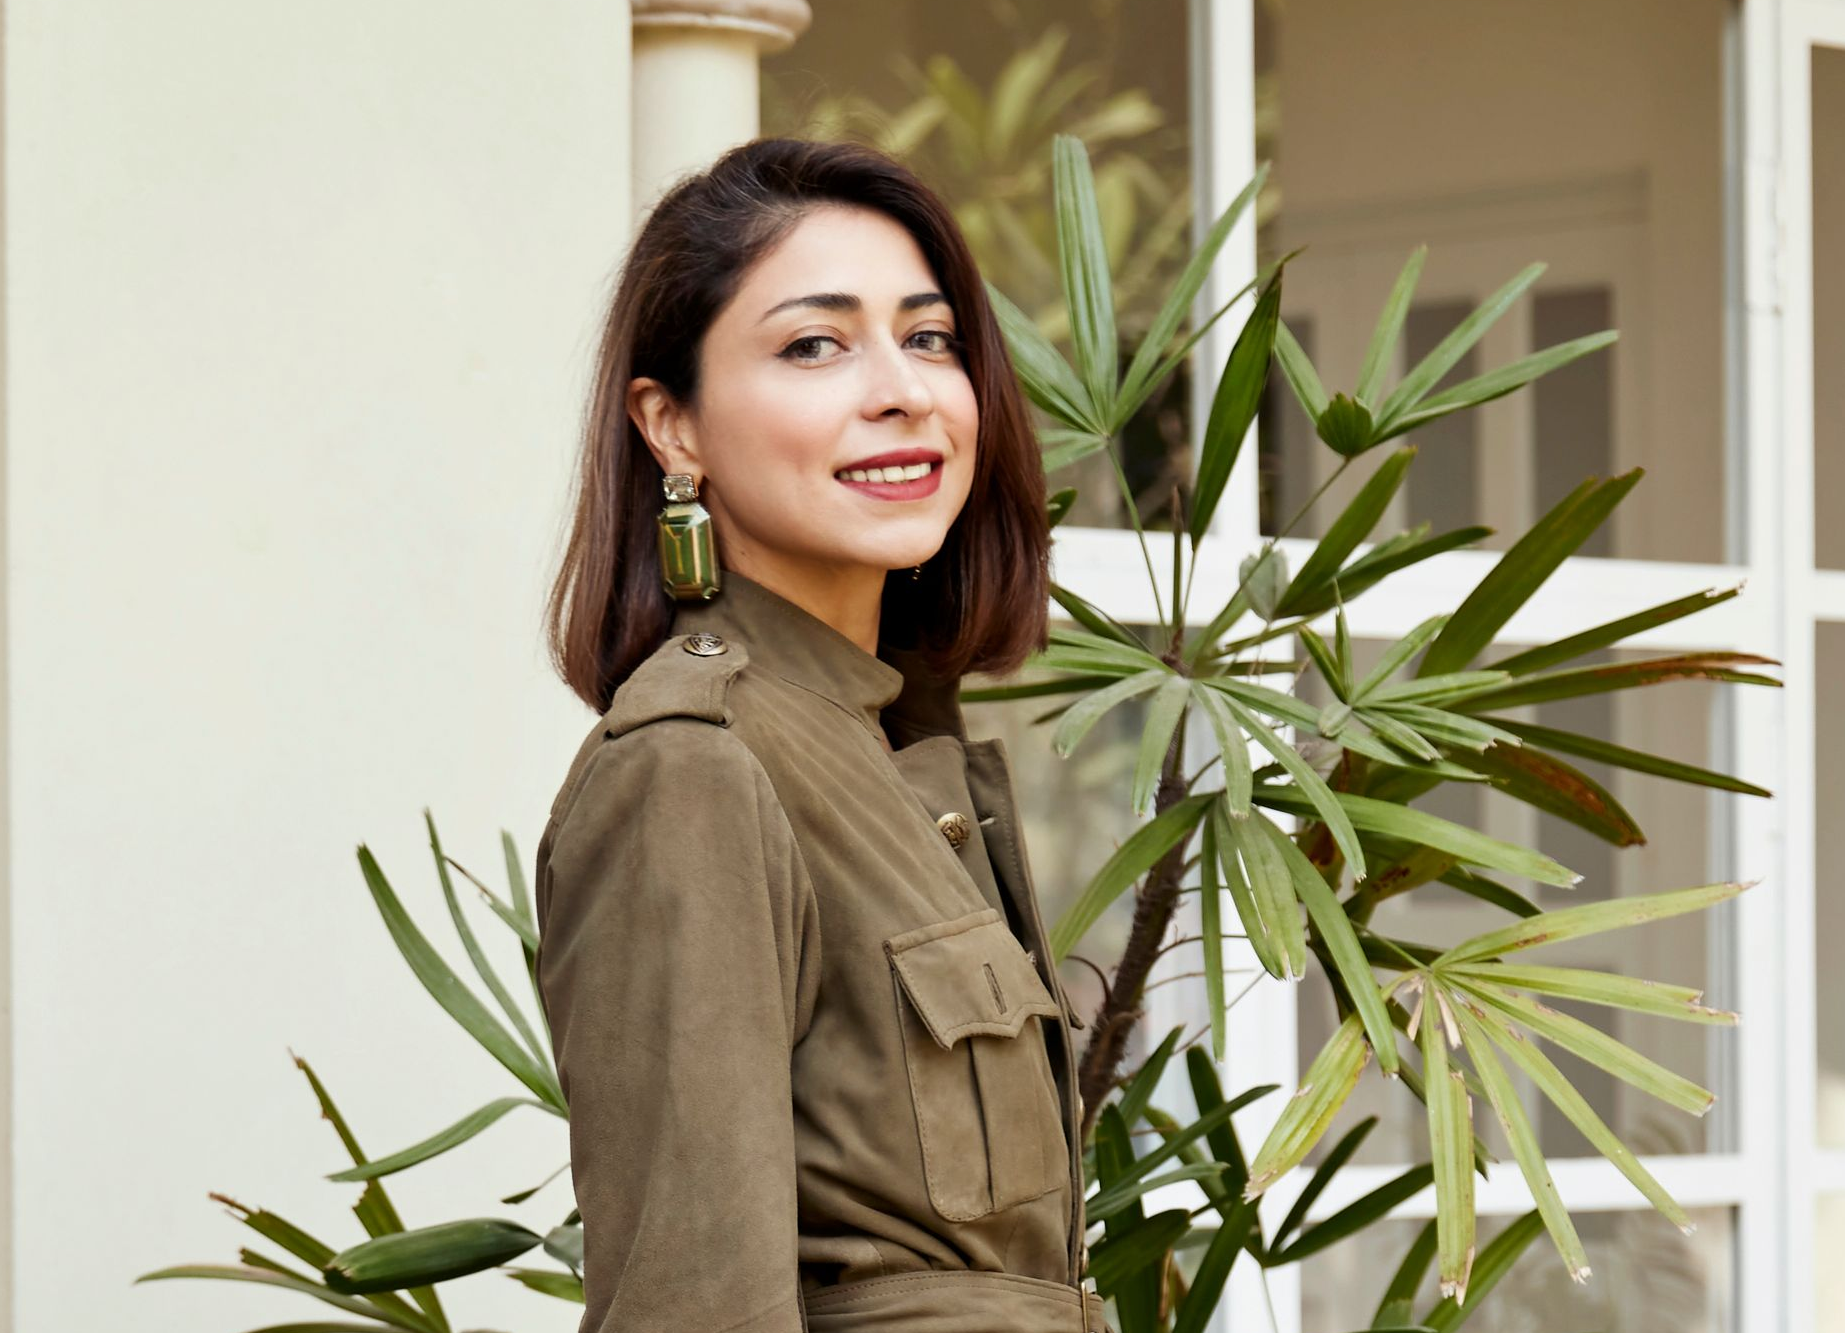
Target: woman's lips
<point>914,489</point>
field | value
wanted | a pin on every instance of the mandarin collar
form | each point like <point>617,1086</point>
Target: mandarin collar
<point>793,643</point>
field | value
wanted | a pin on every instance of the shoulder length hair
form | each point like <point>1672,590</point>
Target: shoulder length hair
<point>980,603</point>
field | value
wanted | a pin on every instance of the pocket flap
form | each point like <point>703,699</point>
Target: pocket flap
<point>969,976</point>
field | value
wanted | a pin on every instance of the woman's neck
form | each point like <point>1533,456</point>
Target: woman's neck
<point>850,598</point>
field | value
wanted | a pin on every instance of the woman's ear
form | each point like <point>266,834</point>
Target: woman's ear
<point>665,426</point>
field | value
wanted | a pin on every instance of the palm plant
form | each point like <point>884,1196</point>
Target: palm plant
<point>1397,732</point>
<point>1462,1010</point>
<point>390,1279</point>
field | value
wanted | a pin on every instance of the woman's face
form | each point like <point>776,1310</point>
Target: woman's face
<point>836,354</point>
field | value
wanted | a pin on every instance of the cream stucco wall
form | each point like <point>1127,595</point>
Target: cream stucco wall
<point>300,304</point>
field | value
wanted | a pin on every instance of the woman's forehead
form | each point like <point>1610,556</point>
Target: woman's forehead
<point>855,253</point>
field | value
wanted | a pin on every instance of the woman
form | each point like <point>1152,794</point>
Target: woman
<point>818,1062</point>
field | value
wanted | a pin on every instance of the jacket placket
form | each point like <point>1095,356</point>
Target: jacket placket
<point>990,784</point>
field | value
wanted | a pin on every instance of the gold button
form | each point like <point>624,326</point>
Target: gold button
<point>954,827</point>
<point>705,645</point>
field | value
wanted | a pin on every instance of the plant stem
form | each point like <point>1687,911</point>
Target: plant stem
<point>1158,895</point>
<point>1127,498</point>
<point>1154,903</point>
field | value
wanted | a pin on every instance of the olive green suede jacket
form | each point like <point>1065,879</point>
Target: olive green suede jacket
<point>817,1058</point>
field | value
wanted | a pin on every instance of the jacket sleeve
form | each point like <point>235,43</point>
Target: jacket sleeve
<point>678,963</point>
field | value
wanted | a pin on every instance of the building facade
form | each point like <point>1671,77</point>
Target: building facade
<point>301,306</point>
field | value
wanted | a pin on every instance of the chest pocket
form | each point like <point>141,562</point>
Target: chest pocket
<point>970,1002</point>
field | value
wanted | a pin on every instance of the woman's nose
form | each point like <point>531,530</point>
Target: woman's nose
<point>896,384</point>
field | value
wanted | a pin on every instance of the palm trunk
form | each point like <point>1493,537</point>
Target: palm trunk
<point>1154,903</point>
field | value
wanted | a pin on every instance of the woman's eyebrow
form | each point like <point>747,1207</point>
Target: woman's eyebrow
<point>848,301</point>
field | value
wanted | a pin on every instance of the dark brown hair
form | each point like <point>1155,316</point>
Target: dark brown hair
<point>980,604</point>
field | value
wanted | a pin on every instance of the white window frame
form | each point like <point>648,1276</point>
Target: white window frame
<point>1807,596</point>
<point>1773,1173</point>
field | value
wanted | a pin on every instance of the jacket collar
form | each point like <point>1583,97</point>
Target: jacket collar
<point>793,643</point>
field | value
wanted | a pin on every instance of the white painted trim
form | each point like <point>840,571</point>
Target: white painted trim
<point>1105,564</point>
<point>1261,1033</point>
<point>1828,594</point>
<point>1753,303</point>
<point>1223,160</point>
<point>1804,595</point>
<point>1587,1184</point>
<point>1829,1172</point>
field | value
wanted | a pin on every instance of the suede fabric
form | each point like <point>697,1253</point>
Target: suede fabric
<point>819,1065</point>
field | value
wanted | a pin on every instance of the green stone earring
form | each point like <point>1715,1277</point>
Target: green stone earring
<point>688,556</point>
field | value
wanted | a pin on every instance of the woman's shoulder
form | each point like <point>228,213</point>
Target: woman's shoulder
<point>692,717</point>
<point>674,774</point>
<point>711,678</point>
<point>688,675</point>
<point>672,713</point>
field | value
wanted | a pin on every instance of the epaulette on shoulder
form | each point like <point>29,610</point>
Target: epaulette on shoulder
<point>688,675</point>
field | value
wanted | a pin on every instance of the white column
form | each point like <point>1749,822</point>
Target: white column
<point>695,83</point>
<point>1261,1033</point>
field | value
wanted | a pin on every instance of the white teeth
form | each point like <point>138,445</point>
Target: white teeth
<point>886,474</point>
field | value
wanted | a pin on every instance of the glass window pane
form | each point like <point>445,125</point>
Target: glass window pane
<point>1447,496</point>
<point>1829,902</point>
<point>1646,1278</point>
<point>1289,451</point>
<point>972,104</point>
<point>1607,168</point>
<point>1572,408</point>
<point>1829,305</point>
<point>1829,1241</point>
<point>1674,720</point>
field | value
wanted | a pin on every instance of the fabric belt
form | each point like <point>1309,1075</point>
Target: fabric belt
<point>954,1301</point>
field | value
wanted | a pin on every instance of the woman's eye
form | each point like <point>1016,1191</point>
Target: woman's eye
<point>794,351</point>
<point>808,348</point>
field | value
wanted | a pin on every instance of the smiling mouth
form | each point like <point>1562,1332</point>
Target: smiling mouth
<point>911,472</point>
<point>898,482</point>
